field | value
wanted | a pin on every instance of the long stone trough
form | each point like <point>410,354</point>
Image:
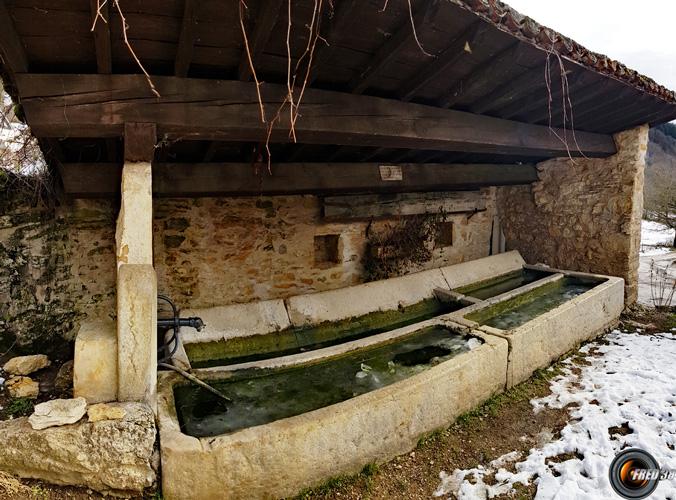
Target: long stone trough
<point>324,384</point>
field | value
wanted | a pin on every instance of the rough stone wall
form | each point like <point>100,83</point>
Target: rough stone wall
<point>583,215</point>
<point>57,265</point>
<point>217,251</point>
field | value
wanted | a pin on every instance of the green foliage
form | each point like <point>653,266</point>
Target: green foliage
<point>20,407</point>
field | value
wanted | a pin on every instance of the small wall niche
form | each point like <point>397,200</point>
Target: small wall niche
<point>444,236</point>
<point>327,250</point>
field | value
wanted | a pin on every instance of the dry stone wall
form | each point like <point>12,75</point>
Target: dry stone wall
<point>218,251</point>
<point>583,215</point>
<point>57,265</point>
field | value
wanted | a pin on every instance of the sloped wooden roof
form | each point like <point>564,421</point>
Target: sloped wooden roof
<point>483,58</point>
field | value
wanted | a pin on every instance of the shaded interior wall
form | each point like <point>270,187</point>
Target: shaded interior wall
<point>582,215</point>
<point>57,265</point>
<point>218,251</point>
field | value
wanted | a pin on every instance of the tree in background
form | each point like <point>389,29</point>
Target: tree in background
<point>660,185</point>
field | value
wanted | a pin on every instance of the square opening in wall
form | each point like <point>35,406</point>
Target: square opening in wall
<point>326,250</point>
<point>444,237</point>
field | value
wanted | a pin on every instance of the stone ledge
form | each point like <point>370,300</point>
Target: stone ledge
<point>110,456</point>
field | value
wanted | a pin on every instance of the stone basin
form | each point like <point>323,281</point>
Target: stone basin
<point>279,458</point>
<point>545,319</point>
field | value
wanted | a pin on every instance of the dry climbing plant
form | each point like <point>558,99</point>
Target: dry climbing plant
<point>23,170</point>
<point>400,245</point>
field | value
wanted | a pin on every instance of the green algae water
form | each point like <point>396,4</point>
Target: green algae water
<point>263,396</point>
<point>297,340</point>
<point>505,283</point>
<point>523,308</point>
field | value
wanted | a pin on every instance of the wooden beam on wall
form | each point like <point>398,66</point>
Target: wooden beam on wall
<point>186,40</point>
<point>242,179</point>
<point>265,22</point>
<point>373,206</point>
<point>13,51</point>
<point>99,105</point>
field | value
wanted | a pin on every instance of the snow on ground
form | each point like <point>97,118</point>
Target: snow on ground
<point>631,381</point>
<point>654,234</point>
<point>656,238</point>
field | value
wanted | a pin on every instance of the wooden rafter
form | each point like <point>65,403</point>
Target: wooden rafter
<point>443,62</point>
<point>196,109</point>
<point>13,51</point>
<point>479,76</point>
<point>100,14</point>
<point>601,106</point>
<point>186,40</point>
<point>512,91</point>
<point>208,179</point>
<point>534,103</point>
<point>389,50</point>
<point>258,39</point>
<point>339,22</point>
<point>578,99</point>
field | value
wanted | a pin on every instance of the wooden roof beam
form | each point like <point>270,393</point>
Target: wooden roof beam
<point>530,103</point>
<point>100,14</point>
<point>521,86</point>
<point>479,76</point>
<point>265,22</point>
<point>11,48</point>
<point>186,40</point>
<point>240,179</point>
<point>339,22</point>
<point>197,109</point>
<point>443,62</point>
<point>389,50</point>
<point>579,99</point>
<point>642,108</point>
<point>600,106</point>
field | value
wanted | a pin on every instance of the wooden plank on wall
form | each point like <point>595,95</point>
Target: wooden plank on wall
<point>365,207</point>
<point>242,179</point>
<point>99,105</point>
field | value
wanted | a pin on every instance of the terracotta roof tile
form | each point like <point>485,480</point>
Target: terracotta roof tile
<point>511,21</point>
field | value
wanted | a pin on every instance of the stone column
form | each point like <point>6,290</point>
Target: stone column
<point>136,279</point>
<point>582,214</point>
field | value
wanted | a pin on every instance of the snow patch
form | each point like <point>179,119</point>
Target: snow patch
<point>626,397</point>
<point>656,238</point>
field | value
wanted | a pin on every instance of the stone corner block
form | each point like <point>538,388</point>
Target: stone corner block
<point>95,363</point>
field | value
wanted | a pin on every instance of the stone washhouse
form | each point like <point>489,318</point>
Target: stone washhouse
<point>428,232</point>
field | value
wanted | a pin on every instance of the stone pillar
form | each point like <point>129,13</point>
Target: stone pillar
<point>582,214</point>
<point>134,234</point>
<point>136,333</point>
<point>136,279</point>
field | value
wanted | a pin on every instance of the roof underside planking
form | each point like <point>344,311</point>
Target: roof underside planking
<point>373,96</point>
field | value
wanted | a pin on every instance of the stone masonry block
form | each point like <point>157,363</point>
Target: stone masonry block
<point>137,333</point>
